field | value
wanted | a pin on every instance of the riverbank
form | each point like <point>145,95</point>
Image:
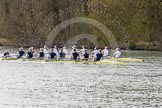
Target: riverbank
<point>6,42</point>
<point>141,45</point>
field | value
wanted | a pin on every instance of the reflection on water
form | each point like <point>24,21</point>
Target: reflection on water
<point>70,85</point>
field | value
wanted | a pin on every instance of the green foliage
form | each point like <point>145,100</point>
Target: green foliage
<point>132,45</point>
<point>29,22</point>
<point>3,41</point>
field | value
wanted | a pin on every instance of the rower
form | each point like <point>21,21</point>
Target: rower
<point>65,50</point>
<point>75,55</point>
<point>72,51</point>
<point>30,53</point>
<point>41,54</point>
<point>95,51</point>
<point>117,53</point>
<point>105,52</point>
<point>99,55</point>
<point>62,54</point>
<point>82,51</point>
<point>6,54</point>
<point>21,52</point>
<point>86,55</point>
<point>33,51</point>
<point>52,54</point>
<point>45,50</point>
<point>55,50</point>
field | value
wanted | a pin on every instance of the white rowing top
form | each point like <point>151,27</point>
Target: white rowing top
<point>117,54</point>
<point>83,51</point>
<point>65,51</point>
<point>106,52</point>
<point>95,52</point>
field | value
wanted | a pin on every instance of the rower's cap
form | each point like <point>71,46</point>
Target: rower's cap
<point>74,47</point>
<point>21,48</point>
<point>117,49</point>
<point>7,51</point>
<point>41,49</point>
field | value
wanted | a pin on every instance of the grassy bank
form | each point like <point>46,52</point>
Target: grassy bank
<point>140,45</point>
<point>6,42</point>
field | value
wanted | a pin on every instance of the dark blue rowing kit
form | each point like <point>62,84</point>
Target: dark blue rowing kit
<point>6,54</point>
<point>98,56</point>
<point>21,54</point>
<point>30,54</point>
<point>52,55</point>
<point>75,55</point>
<point>86,56</point>
<point>62,55</point>
<point>41,54</point>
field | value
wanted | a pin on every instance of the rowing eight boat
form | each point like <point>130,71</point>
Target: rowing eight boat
<point>127,59</point>
<point>68,60</point>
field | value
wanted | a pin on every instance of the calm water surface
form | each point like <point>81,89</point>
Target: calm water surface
<point>25,84</point>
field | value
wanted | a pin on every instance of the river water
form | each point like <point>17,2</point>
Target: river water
<point>25,84</point>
